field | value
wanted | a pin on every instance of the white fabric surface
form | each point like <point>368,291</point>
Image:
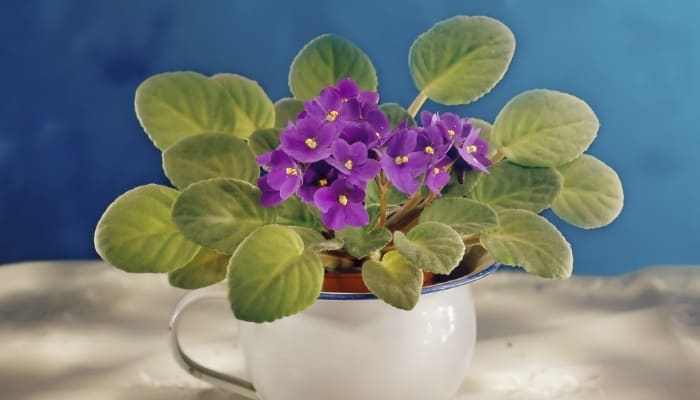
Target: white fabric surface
<point>84,330</point>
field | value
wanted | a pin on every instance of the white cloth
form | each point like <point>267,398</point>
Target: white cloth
<point>84,330</point>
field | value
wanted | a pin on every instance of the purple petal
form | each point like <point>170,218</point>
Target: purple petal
<point>358,153</point>
<point>356,214</point>
<point>426,118</point>
<point>325,199</point>
<point>347,88</point>
<point>269,197</point>
<point>334,218</point>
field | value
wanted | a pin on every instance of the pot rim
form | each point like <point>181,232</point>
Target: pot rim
<point>437,287</point>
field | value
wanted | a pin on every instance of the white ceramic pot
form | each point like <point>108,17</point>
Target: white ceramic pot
<point>353,346</point>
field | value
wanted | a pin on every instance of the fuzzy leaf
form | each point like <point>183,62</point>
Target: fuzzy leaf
<point>271,275</point>
<point>174,105</point>
<point>326,60</point>
<point>544,128</point>
<point>528,240</point>
<point>393,280</point>
<point>219,213</point>
<point>463,215</point>
<point>396,114</point>
<point>591,194</point>
<point>264,140</point>
<point>431,246</point>
<point>461,59</point>
<point>512,186</point>
<point>136,234</point>
<point>360,242</point>
<point>254,110</point>
<point>210,155</point>
<point>286,110</point>
<point>206,268</point>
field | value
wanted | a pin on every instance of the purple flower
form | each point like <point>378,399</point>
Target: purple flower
<point>474,149</point>
<point>341,205</point>
<point>309,140</point>
<point>351,160</point>
<point>401,163</point>
<point>438,175</point>
<point>434,143</point>
<point>270,197</point>
<point>347,89</point>
<point>284,175</point>
<point>317,175</point>
<point>450,125</point>
<point>332,107</point>
<point>368,101</point>
<point>378,121</point>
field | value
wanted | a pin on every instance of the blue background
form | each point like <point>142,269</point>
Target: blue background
<point>70,143</point>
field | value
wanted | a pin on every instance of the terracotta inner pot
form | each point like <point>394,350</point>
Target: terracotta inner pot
<point>351,282</point>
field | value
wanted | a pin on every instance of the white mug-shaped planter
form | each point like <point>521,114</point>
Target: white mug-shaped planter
<point>350,346</point>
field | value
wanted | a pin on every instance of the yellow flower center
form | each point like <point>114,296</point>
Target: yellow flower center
<point>332,115</point>
<point>451,132</point>
<point>401,160</point>
<point>377,135</point>
<point>348,164</point>
<point>292,171</point>
<point>436,170</point>
<point>342,200</point>
<point>323,182</point>
<point>429,150</point>
<point>311,143</point>
<point>471,149</point>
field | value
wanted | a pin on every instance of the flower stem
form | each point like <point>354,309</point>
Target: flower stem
<point>417,104</point>
<point>383,191</point>
<point>407,208</point>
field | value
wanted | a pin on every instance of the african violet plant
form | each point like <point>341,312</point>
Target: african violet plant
<point>269,196</point>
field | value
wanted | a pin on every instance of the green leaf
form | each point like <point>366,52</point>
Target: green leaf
<point>314,240</point>
<point>393,280</point>
<point>591,195</point>
<point>465,216</point>
<point>219,213</point>
<point>326,60</point>
<point>360,242</point>
<point>286,110</point>
<point>264,140</point>
<point>209,155</point>
<point>432,246</point>
<point>456,189</point>
<point>271,276</point>
<point>174,105</point>
<point>512,186</point>
<point>254,110</point>
<point>544,128</point>
<point>396,114</point>
<point>136,234</point>
<point>295,212</point>
<point>461,59</point>
<point>206,268</point>
<point>526,239</point>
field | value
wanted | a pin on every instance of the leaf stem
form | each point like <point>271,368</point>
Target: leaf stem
<point>417,104</point>
<point>498,157</point>
<point>471,239</point>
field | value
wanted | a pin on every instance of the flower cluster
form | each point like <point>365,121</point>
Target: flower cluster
<point>342,140</point>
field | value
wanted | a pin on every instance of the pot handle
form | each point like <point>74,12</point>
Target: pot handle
<point>231,383</point>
